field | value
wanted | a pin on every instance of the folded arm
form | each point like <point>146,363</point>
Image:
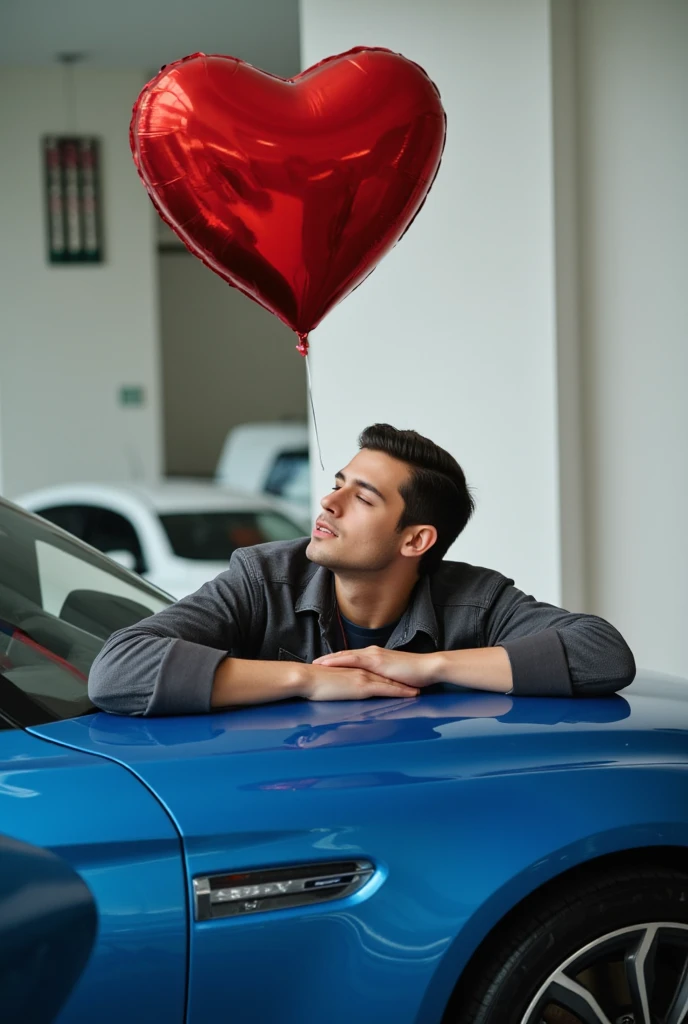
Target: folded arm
<point>555,653</point>
<point>166,664</point>
<point>530,649</point>
<point>195,656</point>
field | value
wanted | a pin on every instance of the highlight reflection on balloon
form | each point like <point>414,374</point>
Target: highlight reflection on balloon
<point>290,190</point>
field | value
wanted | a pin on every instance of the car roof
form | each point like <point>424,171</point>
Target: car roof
<point>164,496</point>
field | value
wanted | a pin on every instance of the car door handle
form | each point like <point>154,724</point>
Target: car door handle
<point>250,892</point>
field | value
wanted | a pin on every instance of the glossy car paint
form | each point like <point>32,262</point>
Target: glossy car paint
<point>465,802</point>
<point>100,819</point>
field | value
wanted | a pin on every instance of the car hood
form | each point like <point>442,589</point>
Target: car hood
<point>494,732</point>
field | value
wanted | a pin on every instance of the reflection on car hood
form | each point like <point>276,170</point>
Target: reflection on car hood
<point>478,732</point>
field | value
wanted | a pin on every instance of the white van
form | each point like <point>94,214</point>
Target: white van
<point>267,458</point>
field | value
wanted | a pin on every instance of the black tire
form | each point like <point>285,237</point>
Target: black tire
<point>506,975</point>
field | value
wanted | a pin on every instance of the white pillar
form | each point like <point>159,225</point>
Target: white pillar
<point>455,334</point>
<point>634,268</point>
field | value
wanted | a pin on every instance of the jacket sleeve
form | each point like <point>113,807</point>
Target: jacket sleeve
<point>165,664</point>
<point>555,653</point>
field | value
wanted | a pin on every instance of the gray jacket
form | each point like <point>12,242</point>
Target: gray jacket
<point>274,604</point>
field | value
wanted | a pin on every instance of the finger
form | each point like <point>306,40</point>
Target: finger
<point>384,689</point>
<point>335,655</point>
<point>345,658</point>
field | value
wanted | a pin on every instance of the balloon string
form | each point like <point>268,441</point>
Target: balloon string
<point>315,419</point>
<point>302,348</point>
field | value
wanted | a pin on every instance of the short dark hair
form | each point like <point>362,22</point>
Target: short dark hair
<point>436,491</point>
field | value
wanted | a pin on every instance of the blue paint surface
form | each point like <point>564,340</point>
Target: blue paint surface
<point>464,802</point>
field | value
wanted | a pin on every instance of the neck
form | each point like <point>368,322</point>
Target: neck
<point>373,603</point>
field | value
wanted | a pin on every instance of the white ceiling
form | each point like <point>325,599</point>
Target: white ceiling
<point>149,33</point>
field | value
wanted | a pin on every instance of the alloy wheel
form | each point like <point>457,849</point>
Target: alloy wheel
<point>636,975</point>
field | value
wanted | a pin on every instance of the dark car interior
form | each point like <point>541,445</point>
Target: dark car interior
<point>45,656</point>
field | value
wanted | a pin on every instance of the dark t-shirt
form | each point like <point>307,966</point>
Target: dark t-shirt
<point>359,636</point>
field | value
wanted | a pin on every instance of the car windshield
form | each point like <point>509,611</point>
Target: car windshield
<point>59,601</point>
<point>290,477</point>
<point>213,536</point>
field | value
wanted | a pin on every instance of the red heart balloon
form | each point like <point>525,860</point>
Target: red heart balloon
<point>291,190</point>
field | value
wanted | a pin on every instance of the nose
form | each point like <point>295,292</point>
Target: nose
<point>330,503</point>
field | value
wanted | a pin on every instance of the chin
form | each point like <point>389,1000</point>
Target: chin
<point>311,552</point>
<point>317,552</point>
<point>321,553</point>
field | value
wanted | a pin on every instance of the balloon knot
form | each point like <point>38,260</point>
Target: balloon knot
<point>303,345</point>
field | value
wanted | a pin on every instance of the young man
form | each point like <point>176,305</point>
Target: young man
<point>365,608</point>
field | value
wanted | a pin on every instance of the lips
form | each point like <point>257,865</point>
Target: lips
<point>322,530</point>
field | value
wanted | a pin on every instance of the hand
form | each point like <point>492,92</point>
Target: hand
<point>320,682</point>
<point>400,666</point>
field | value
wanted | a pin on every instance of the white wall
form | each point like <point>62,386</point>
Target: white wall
<point>70,336</point>
<point>633,97</point>
<point>225,361</point>
<point>534,320</point>
<point>454,335</point>
<point>567,290</point>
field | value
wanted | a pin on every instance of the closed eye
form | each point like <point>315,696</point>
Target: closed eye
<point>360,498</point>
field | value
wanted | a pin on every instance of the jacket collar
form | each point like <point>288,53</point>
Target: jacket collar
<point>318,596</point>
<point>420,616</point>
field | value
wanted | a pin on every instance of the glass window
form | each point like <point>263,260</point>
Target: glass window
<point>100,527</point>
<point>59,601</point>
<point>213,536</point>
<point>289,477</point>
<point>71,518</point>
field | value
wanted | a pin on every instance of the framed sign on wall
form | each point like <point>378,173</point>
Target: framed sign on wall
<point>73,199</point>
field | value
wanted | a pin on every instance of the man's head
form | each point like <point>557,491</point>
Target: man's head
<point>401,497</point>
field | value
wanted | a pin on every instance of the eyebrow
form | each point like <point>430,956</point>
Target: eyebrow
<point>361,483</point>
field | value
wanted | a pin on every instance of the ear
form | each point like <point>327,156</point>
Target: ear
<point>418,540</point>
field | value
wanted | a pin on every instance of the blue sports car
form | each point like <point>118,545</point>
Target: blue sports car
<point>462,858</point>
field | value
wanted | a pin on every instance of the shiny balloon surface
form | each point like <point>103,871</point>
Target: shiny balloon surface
<point>290,190</point>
